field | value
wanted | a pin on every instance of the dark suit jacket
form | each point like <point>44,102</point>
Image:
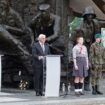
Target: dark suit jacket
<point>36,52</point>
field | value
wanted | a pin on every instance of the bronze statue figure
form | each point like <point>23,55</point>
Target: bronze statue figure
<point>12,29</point>
<point>15,39</point>
<point>46,23</point>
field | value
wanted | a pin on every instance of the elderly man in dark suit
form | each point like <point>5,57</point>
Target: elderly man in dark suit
<point>39,50</point>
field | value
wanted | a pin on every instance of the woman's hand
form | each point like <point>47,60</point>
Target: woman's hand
<point>87,67</point>
<point>76,67</point>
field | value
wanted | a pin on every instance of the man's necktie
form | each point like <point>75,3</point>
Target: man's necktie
<point>43,47</point>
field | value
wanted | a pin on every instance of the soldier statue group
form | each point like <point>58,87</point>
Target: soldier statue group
<point>16,38</point>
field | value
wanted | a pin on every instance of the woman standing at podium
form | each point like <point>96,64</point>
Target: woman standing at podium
<point>39,50</point>
<point>81,66</point>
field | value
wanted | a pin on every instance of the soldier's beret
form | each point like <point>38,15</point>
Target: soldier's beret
<point>43,7</point>
<point>98,35</point>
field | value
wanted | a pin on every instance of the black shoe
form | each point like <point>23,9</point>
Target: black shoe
<point>37,94</point>
<point>41,94</point>
<point>97,90</point>
<point>100,93</point>
<point>94,90</point>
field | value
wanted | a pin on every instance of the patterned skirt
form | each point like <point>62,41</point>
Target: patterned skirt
<point>82,69</point>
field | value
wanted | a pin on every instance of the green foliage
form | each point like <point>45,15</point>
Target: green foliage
<point>74,24</point>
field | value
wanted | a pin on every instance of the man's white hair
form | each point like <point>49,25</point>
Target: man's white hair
<point>41,35</point>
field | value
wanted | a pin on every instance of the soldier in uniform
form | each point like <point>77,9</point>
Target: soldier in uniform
<point>90,26</point>
<point>97,60</point>
<point>14,36</point>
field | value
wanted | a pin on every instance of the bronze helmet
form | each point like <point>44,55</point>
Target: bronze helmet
<point>89,11</point>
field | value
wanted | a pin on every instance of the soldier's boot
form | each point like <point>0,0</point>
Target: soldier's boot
<point>94,90</point>
<point>97,90</point>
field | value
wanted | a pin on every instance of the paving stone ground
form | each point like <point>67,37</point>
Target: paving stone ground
<point>27,97</point>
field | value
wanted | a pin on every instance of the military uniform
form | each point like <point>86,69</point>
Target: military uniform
<point>96,56</point>
<point>97,60</point>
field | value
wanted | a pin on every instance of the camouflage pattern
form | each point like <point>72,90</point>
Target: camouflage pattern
<point>97,54</point>
<point>96,75</point>
<point>97,60</point>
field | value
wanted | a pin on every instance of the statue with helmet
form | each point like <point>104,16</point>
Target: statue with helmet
<point>48,23</point>
<point>45,23</point>
<point>90,26</point>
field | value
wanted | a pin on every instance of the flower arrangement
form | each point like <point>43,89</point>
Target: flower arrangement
<point>23,85</point>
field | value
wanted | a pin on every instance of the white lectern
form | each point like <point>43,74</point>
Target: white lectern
<point>53,70</point>
<point>0,71</point>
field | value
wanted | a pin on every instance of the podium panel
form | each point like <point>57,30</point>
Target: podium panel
<point>53,70</point>
<point>0,71</point>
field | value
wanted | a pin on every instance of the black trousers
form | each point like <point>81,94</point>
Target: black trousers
<point>38,80</point>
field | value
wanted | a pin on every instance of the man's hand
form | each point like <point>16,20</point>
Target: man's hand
<point>41,57</point>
